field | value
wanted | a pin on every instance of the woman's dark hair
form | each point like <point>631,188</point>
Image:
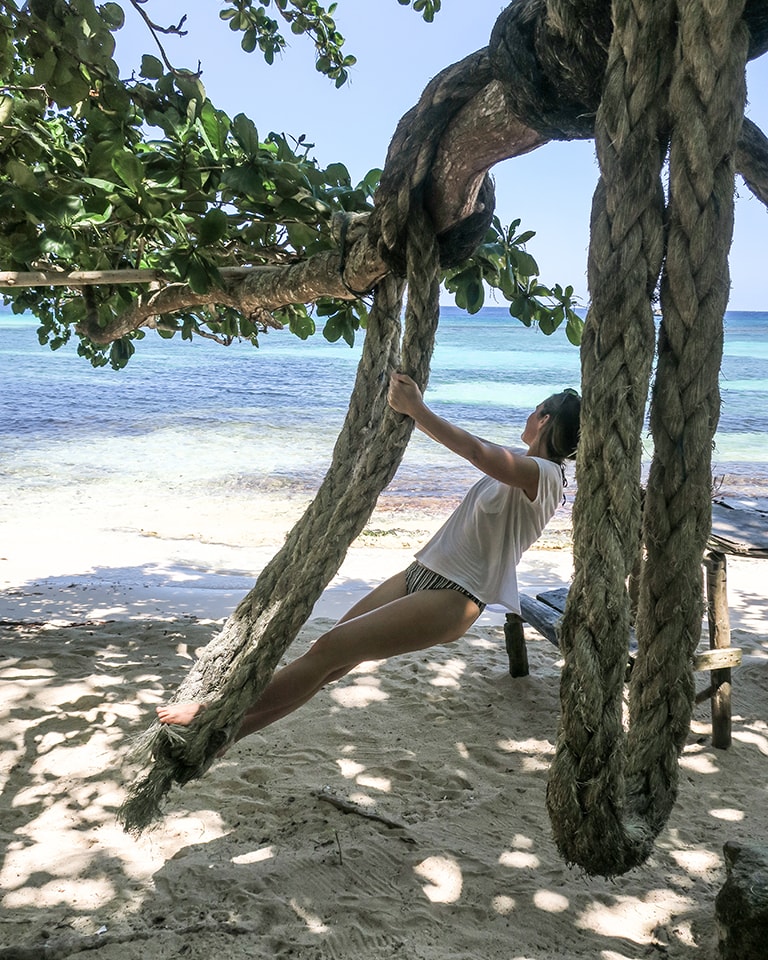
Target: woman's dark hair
<point>561,434</point>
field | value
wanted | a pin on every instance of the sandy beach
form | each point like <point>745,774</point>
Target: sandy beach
<point>401,813</point>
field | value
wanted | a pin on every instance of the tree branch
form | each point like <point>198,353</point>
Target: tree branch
<point>752,160</point>
<point>481,134</point>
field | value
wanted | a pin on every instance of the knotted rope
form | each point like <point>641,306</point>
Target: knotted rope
<point>405,180</point>
<point>549,55</point>
<point>610,795</point>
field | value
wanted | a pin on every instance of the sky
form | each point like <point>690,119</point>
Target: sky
<point>550,190</point>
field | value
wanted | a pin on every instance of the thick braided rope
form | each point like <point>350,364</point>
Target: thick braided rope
<point>585,795</point>
<point>238,663</point>
<point>706,106</point>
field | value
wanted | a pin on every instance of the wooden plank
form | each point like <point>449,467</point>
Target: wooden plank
<point>542,617</point>
<point>83,278</point>
<point>717,659</point>
<point>77,278</point>
<point>739,532</point>
<point>554,598</point>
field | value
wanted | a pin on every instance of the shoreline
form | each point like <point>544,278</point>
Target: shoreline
<point>197,557</point>
<point>101,573</point>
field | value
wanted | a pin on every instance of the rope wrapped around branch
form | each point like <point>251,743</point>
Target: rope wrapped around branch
<point>609,795</point>
<point>549,56</point>
<point>405,180</point>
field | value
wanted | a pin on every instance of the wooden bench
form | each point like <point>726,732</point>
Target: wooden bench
<point>736,531</point>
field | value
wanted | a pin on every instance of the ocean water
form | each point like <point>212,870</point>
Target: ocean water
<point>246,423</point>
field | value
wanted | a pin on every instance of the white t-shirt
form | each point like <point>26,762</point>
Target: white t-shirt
<point>481,543</point>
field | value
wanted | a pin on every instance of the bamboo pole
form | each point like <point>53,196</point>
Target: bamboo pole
<point>83,278</point>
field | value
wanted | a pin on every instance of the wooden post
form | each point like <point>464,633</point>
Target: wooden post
<point>719,638</point>
<point>514,638</point>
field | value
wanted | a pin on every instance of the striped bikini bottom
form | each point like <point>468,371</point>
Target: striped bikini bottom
<point>418,577</point>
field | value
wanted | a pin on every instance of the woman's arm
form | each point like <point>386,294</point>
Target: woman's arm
<point>496,461</point>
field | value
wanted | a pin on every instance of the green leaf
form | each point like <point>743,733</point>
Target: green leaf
<point>44,67</point>
<point>301,235</point>
<point>524,263</point>
<point>337,173</point>
<point>129,168</point>
<point>301,324</point>
<point>371,180</point>
<point>190,86</point>
<point>93,219</point>
<point>151,67</point>
<point>574,328</point>
<point>21,174</point>
<point>348,332</point>
<point>213,227</point>
<point>520,309</point>
<point>546,321</point>
<point>332,330</point>
<point>215,126</point>
<point>197,276</point>
<point>246,134</point>
<point>475,295</point>
<point>120,353</point>
<point>112,14</point>
<point>508,283</point>
<point>249,41</point>
<point>6,108</point>
<point>100,184</point>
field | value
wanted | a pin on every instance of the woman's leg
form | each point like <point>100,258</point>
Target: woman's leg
<point>373,632</point>
<point>409,623</point>
<point>391,589</point>
<point>184,712</point>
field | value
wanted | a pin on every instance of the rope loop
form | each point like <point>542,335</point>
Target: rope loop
<point>676,68</point>
<point>238,663</point>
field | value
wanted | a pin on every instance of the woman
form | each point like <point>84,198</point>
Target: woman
<point>471,560</point>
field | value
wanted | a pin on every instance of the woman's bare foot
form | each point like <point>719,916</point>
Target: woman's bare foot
<point>179,713</point>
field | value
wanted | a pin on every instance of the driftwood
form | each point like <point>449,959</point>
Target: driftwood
<point>349,806</point>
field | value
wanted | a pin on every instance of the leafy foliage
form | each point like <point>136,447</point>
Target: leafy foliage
<point>262,32</point>
<point>503,264</point>
<point>427,8</point>
<point>99,172</point>
<point>303,16</point>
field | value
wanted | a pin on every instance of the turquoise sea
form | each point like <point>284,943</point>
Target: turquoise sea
<point>248,422</point>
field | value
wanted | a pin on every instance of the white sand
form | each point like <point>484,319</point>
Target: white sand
<point>103,617</point>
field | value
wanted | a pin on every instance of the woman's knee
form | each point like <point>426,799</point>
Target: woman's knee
<point>328,657</point>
